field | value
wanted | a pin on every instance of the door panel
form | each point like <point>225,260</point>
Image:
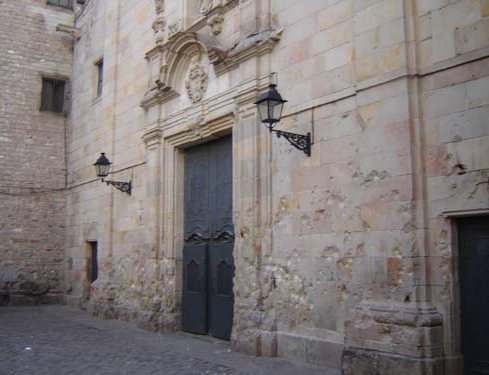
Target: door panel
<point>209,238</point>
<point>474,293</point>
<point>194,306</point>
<point>221,297</point>
<point>197,195</point>
<point>223,188</point>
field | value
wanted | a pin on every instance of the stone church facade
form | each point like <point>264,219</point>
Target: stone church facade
<point>369,256</point>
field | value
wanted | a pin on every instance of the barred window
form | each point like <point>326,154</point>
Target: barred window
<point>60,3</point>
<point>99,67</point>
<point>53,92</point>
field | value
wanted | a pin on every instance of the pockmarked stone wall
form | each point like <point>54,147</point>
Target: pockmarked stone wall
<point>129,285</point>
<point>32,153</point>
<point>345,259</point>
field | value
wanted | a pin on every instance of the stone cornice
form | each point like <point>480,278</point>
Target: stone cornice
<point>197,128</point>
<point>223,8</point>
<point>153,52</point>
<point>254,45</point>
<point>152,136</point>
<point>158,96</point>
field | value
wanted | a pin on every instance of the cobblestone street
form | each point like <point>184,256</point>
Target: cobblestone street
<point>56,340</point>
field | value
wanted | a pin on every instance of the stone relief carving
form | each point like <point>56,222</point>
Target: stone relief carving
<point>195,126</point>
<point>159,29</point>
<point>196,84</point>
<point>160,22</point>
<point>205,6</point>
<point>159,25</point>
<point>174,28</point>
<point>215,22</point>
<point>160,6</point>
<point>160,82</point>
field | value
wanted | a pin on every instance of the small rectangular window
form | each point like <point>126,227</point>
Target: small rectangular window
<point>60,3</point>
<point>93,271</point>
<point>99,67</point>
<point>53,92</point>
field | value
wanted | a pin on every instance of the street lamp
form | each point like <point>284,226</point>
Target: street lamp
<point>102,167</point>
<point>270,106</point>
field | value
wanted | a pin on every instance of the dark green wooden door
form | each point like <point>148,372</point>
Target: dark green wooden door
<point>208,271</point>
<point>474,293</point>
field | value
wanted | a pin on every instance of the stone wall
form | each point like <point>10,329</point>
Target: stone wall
<point>32,153</point>
<point>345,259</point>
<point>129,285</point>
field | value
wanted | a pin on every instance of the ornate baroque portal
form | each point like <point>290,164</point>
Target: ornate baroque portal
<point>194,97</point>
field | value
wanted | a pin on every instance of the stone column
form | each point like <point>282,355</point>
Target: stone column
<point>395,328</point>
<point>246,335</point>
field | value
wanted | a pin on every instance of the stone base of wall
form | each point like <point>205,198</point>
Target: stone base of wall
<point>7,299</point>
<point>313,350</point>
<point>307,349</point>
<point>397,338</point>
<point>21,286</point>
<point>148,320</point>
<point>454,365</point>
<point>366,362</point>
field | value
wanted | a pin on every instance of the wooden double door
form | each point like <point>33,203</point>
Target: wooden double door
<point>208,265</point>
<point>473,234</point>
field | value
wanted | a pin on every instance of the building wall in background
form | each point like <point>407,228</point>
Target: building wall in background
<point>32,152</point>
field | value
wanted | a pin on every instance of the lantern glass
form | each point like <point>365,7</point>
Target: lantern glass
<point>102,166</point>
<point>270,106</point>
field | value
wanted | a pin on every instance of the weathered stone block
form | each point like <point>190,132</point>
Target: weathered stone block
<point>445,101</point>
<point>268,344</point>
<point>247,342</point>
<point>472,37</point>
<point>334,14</point>
<point>377,14</point>
<point>364,362</point>
<point>331,38</point>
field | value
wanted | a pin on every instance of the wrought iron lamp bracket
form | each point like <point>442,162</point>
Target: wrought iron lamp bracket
<point>125,187</point>
<point>299,141</point>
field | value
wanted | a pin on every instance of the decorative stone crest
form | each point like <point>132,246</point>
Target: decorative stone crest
<point>215,22</point>
<point>196,84</point>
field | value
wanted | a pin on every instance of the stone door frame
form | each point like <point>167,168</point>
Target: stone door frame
<point>452,320</point>
<point>173,196</point>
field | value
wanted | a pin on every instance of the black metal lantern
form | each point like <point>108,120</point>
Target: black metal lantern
<point>102,168</point>
<point>270,106</point>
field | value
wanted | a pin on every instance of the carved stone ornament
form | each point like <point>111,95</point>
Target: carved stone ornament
<point>174,28</point>
<point>215,22</point>
<point>160,6</point>
<point>196,84</point>
<point>161,81</point>
<point>205,6</point>
<point>159,25</point>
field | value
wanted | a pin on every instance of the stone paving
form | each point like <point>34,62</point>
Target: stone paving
<point>52,340</point>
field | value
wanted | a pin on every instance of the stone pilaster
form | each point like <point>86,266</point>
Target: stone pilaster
<point>384,338</point>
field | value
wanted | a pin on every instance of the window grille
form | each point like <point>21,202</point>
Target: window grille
<point>60,3</point>
<point>53,92</point>
<point>100,76</point>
